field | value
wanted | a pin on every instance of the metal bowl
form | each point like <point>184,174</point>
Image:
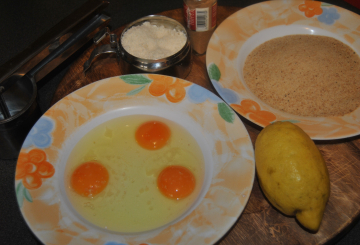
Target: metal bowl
<point>178,64</point>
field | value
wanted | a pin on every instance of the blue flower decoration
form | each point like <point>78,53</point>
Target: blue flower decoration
<point>227,94</point>
<point>329,16</point>
<point>198,94</point>
<point>114,243</point>
<point>39,135</point>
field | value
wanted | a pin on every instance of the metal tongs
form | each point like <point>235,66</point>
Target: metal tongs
<point>18,77</point>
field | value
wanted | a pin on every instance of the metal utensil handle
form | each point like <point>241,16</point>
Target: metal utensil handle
<point>113,47</point>
<point>50,40</point>
<point>81,33</point>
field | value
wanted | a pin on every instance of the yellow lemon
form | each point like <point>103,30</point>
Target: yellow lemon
<point>292,173</point>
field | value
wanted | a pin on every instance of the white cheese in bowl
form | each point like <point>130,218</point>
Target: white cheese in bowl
<point>153,42</point>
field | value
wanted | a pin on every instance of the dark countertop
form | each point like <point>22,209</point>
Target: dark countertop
<point>23,23</point>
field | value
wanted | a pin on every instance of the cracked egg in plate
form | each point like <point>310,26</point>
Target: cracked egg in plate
<point>135,159</point>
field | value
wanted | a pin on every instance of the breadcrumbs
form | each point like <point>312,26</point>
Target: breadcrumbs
<point>306,75</point>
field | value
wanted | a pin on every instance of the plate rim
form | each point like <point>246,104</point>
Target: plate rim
<point>214,55</point>
<point>91,86</point>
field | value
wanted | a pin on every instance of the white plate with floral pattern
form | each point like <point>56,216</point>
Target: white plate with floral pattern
<point>244,30</point>
<point>229,160</point>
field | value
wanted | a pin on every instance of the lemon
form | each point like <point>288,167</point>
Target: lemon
<point>292,173</point>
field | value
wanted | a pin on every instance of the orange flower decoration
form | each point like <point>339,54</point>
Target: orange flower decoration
<point>311,8</point>
<point>32,167</point>
<point>251,108</point>
<point>174,91</point>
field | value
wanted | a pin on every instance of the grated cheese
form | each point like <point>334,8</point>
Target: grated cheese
<point>152,42</point>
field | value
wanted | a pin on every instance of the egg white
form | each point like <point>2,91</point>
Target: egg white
<point>132,202</point>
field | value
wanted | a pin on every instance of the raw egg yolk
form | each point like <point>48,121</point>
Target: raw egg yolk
<point>89,179</point>
<point>176,182</point>
<point>152,135</point>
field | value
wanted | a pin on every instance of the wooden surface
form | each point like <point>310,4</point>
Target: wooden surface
<point>260,223</point>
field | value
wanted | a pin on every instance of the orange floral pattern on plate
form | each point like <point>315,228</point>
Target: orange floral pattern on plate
<point>251,108</point>
<point>311,8</point>
<point>236,34</point>
<point>173,90</point>
<point>103,100</point>
<point>32,167</point>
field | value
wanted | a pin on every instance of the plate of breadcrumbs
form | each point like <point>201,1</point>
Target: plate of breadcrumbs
<point>296,61</point>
